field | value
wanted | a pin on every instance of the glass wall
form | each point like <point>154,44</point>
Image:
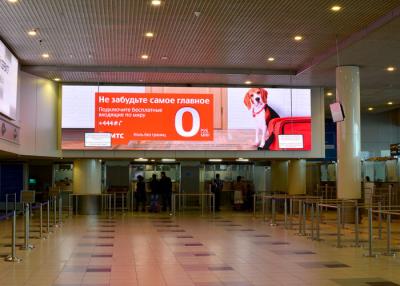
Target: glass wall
<point>147,170</point>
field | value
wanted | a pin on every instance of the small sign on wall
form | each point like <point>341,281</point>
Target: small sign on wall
<point>9,131</point>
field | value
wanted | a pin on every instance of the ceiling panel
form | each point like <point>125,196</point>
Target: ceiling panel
<point>234,33</point>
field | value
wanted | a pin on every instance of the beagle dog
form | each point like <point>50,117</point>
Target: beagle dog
<point>256,101</point>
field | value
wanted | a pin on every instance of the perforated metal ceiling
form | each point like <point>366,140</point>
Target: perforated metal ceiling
<point>232,34</point>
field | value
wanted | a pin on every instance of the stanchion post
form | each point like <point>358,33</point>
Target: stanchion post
<point>48,217</point>
<point>356,227</point>
<point>273,212</point>
<point>389,251</point>
<point>286,213</point>
<point>338,226</point>
<point>115,204</point>
<point>318,238</point>
<point>312,220</point>
<point>254,204</point>
<point>55,211</point>
<point>300,217</point>
<point>13,256</point>
<point>263,206</point>
<point>26,245</point>
<point>60,210</point>
<point>213,199</point>
<point>370,234</point>
<point>41,221</point>
<point>7,205</point>
<point>290,213</point>
<point>380,220</point>
<point>304,228</point>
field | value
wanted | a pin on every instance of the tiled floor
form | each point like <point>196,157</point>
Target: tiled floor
<point>234,249</point>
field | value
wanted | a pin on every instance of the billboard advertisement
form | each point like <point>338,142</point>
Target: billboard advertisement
<point>8,82</point>
<point>187,118</point>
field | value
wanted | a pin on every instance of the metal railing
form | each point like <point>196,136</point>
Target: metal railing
<point>205,199</point>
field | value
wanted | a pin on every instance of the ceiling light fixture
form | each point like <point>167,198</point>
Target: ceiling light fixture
<point>32,33</point>
<point>214,160</point>
<point>168,160</point>
<point>156,2</point>
<point>12,1</point>
<point>336,8</point>
<point>390,69</point>
<point>242,160</point>
<point>57,79</point>
<point>145,57</point>
<point>370,108</point>
<point>248,82</point>
<point>141,160</point>
<point>298,38</point>
<point>164,58</point>
<point>329,93</point>
<point>271,59</point>
<point>149,35</point>
<point>45,55</point>
<point>390,103</point>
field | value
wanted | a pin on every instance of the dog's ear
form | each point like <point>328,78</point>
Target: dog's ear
<point>247,99</point>
<point>264,94</point>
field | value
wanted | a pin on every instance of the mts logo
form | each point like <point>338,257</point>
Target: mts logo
<point>118,136</point>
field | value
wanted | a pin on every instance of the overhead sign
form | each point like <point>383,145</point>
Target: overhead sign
<point>291,141</point>
<point>168,117</point>
<point>97,139</point>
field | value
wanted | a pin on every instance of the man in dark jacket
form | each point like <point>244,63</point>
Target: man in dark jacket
<point>166,191</point>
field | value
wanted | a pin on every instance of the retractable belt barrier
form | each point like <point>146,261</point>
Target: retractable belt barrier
<point>27,213</point>
<point>180,198</point>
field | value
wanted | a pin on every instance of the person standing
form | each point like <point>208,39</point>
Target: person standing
<point>166,191</point>
<point>216,189</point>
<point>155,192</point>
<point>239,190</point>
<point>140,193</point>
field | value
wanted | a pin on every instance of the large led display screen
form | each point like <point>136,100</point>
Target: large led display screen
<point>8,82</point>
<point>187,118</point>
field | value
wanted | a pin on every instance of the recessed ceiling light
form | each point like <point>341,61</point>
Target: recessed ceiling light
<point>140,80</point>
<point>370,108</point>
<point>141,160</point>
<point>152,160</point>
<point>90,56</point>
<point>390,103</point>
<point>336,8</point>
<point>156,2</point>
<point>164,58</point>
<point>45,55</point>
<point>57,79</point>
<point>168,160</point>
<point>271,59</point>
<point>145,57</point>
<point>329,93</point>
<point>149,35</point>
<point>248,82</point>
<point>12,1</point>
<point>242,160</point>
<point>214,160</point>
<point>32,33</point>
<point>298,38</point>
<point>390,69</point>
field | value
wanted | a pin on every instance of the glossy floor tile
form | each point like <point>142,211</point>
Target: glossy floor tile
<point>234,249</point>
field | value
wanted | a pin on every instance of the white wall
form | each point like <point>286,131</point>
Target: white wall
<point>379,130</point>
<point>37,118</point>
